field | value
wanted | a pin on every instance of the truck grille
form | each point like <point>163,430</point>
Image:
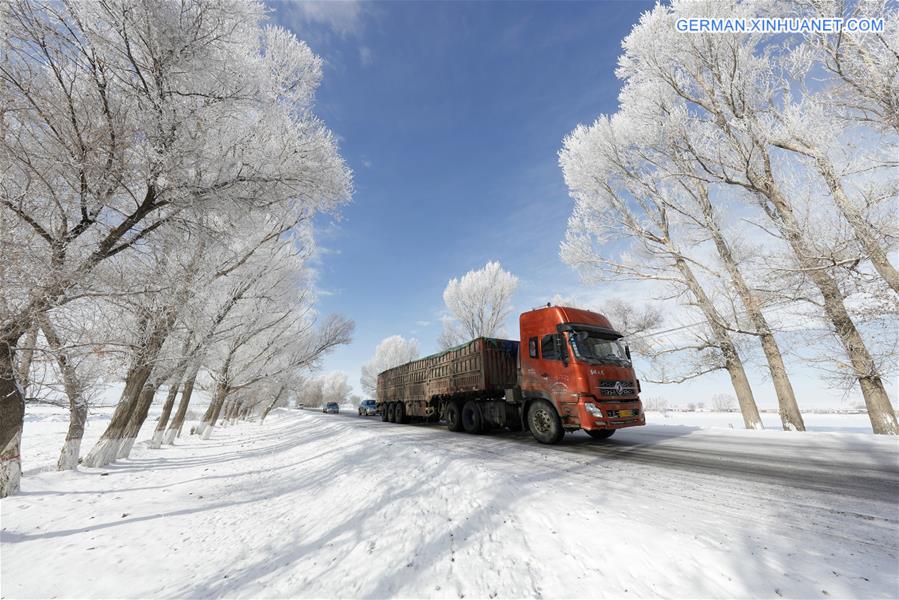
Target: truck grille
<point>616,388</point>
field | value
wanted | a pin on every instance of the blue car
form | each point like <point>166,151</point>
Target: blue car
<point>367,408</point>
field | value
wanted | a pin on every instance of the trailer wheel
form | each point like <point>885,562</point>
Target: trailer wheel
<point>544,422</point>
<point>391,412</point>
<point>383,410</point>
<point>601,434</point>
<point>453,416</point>
<point>399,413</point>
<point>472,421</point>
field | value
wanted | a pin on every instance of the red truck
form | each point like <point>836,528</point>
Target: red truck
<point>574,372</point>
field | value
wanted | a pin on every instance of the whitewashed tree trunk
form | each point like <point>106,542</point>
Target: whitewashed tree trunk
<point>12,415</point>
<point>71,449</point>
<point>177,423</point>
<point>26,356</point>
<point>159,432</point>
<point>156,327</point>
<point>108,447</point>
<point>138,416</point>
<point>215,409</point>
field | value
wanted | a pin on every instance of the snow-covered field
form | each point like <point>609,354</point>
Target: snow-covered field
<point>315,505</point>
<point>848,423</point>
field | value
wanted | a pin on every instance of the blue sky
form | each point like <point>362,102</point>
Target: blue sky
<point>451,116</point>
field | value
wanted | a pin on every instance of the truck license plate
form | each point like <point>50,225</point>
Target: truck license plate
<point>625,413</point>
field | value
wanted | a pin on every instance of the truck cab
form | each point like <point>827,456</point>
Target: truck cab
<point>574,361</point>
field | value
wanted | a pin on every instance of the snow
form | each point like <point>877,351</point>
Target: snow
<point>833,422</point>
<point>315,505</point>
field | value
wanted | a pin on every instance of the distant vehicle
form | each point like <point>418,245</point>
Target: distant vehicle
<point>574,372</point>
<point>331,407</point>
<point>301,406</point>
<point>368,408</point>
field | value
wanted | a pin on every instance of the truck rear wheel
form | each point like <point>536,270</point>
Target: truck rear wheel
<point>544,422</point>
<point>601,434</point>
<point>383,410</point>
<point>453,416</point>
<point>391,412</point>
<point>472,421</point>
<point>399,413</point>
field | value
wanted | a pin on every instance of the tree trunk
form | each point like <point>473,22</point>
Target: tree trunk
<point>12,417</point>
<point>156,442</point>
<point>231,415</point>
<point>732,361</point>
<point>27,355</point>
<point>174,382</point>
<point>788,408</point>
<point>218,398</point>
<point>214,410</point>
<point>138,416</point>
<point>227,409</point>
<point>107,448</point>
<point>178,422</point>
<point>790,417</point>
<point>71,449</point>
<point>880,411</point>
<point>272,404</point>
<point>157,328</point>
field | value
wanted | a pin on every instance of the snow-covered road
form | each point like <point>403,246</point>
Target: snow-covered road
<point>339,506</point>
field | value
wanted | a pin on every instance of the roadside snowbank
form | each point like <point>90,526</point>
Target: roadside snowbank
<point>313,505</point>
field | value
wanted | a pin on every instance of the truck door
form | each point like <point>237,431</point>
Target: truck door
<point>545,368</point>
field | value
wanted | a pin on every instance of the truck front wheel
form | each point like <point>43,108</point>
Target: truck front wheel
<point>471,417</point>
<point>544,423</point>
<point>601,434</point>
<point>453,416</point>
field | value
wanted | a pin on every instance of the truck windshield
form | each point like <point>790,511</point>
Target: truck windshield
<point>592,346</point>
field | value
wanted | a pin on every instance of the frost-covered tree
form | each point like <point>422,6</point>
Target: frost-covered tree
<point>751,116</point>
<point>390,352</point>
<point>700,215</point>
<point>479,301</point>
<point>336,387</point>
<point>310,392</point>
<point>723,402</point>
<point>619,198</point>
<point>715,124</point>
<point>273,335</point>
<point>630,318</point>
<point>120,118</point>
<point>862,68</point>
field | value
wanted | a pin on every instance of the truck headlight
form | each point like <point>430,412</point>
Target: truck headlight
<point>593,409</point>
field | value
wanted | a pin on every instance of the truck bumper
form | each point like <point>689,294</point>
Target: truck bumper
<point>615,415</point>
